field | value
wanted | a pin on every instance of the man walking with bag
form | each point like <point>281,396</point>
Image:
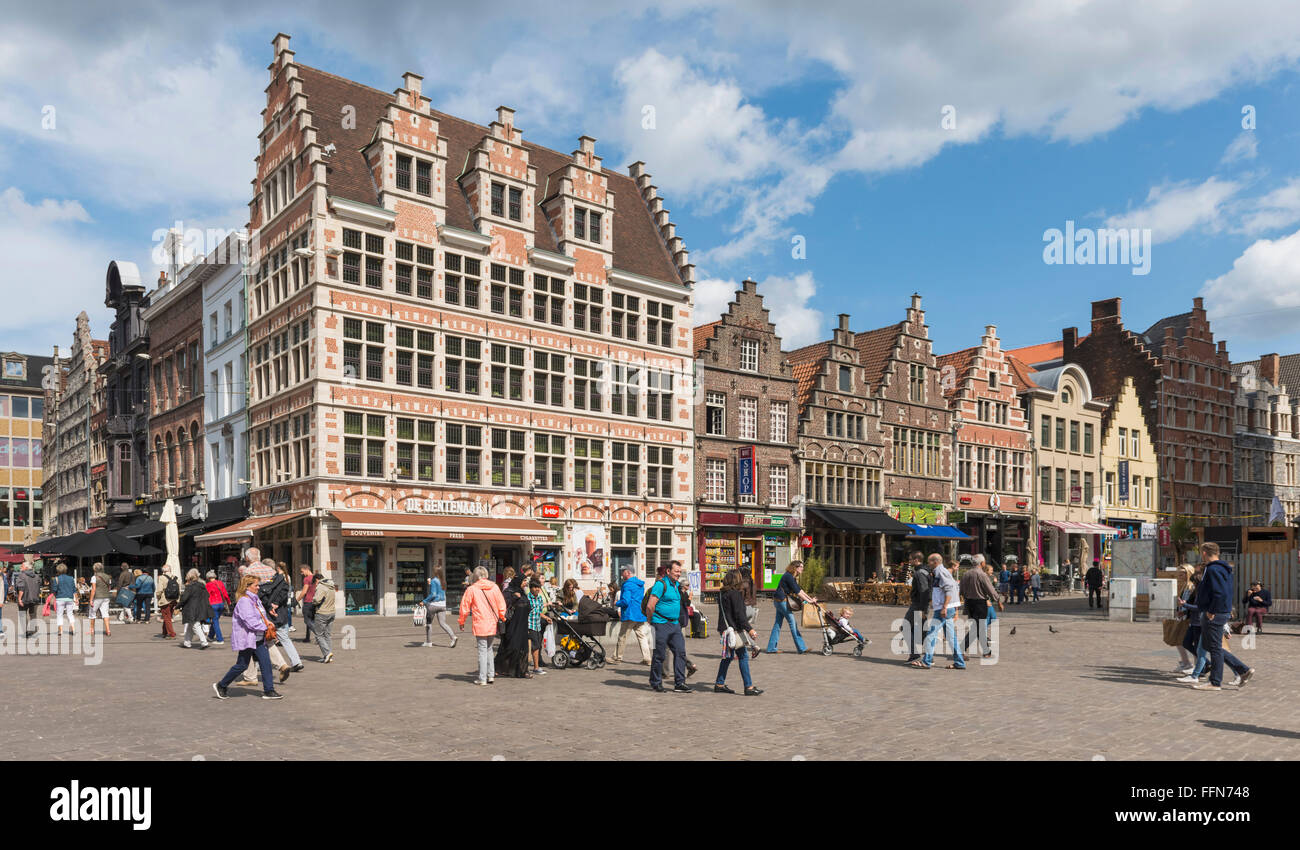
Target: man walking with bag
<point>1214,598</point>
<point>631,621</point>
<point>665,609</point>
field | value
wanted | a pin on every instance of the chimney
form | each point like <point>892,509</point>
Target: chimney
<point>505,116</point>
<point>844,321</point>
<point>162,279</point>
<point>1069,339</point>
<point>411,82</point>
<point>916,301</point>
<point>586,144</point>
<point>991,331</point>
<point>749,286</point>
<point>1269,366</point>
<point>1198,304</point>
<point>1105,312</point>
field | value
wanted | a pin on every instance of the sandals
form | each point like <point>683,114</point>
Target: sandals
<point>955,667</point>
<point>920,665</point>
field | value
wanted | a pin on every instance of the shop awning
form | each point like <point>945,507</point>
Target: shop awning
<point>936,532</point>
<point>242,531</point>
<point>361,524</point>
<point>1081,527</point>
<point>143,528</point>
<point>860,522</point>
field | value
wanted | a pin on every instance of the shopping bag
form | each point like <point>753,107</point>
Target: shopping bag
<point>548,641</point>
<point>125,597</point>
<point>810,617</point>
<point>1174,631</point>
<point>419,615</point>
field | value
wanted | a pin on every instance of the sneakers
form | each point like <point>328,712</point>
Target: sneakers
<point>659,689</point>
<point>291,629</point>
<point>297,668</point>
<point>752,691</point>
<point>188,645</point>
<point>1205,686</point>
<point>284,674</point>
<point>1189,679</point>
<point>453,642</point>
<point>1245,677</point>
<point>681,689</point>
<point>722,689</point>
<point>272,695</point>
<point>204,645</point>
<point>426,643</point>
<point>479,682</point>
<point>328,658</point>
<point>221,692</point>
<point>492,680</point>
<point>691,669</point>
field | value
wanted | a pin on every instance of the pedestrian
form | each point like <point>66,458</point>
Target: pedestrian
<point>125,578</point>
<point>1017,581</point>
<point>1036,582</point>
<point>512,653</point>
<point>170,597</point>
<point>570,596</point>
<point>993,612</point>
<point>435,605</point>
<point>322,618</point>
<point>1004,583</point>
<point>980,595</point>
<point>631,620</point>
<point>1093,580</point>
<point>786,589</point>
<point>101,590</point>
<point>733,627</point>
<point>486,607</point>
<point>507,577</point>
<point>552,588</point>
<point>305,597</point>
<point>1257,602</point>
<point>537,620</point>
<point>28,596</point>
<point>64,591</point>
<point>1214,599</point>
<point>691,621</point>
<point>283,569</point>
<point>248,627</point>
<point>195,610</point>
<point>1189,649</point>
<point>944,593</point>
<point>751,599</point>
<point>219,599</point>
<point>275,599</point>
<point>664,606</point>
<point>918,610</point>
<point>144,590</point>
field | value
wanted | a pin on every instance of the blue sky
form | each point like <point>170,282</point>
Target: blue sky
<point>771,124</point>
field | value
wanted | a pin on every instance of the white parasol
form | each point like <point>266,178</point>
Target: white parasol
<point>168,519</point>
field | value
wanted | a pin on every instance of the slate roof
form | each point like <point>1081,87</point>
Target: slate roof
<point>1288,372</point>
<point>638,247</point>
<point>34,377</point>
<point>1155,335</point>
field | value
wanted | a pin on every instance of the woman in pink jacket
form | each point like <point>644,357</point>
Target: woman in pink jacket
<point>483,600</point>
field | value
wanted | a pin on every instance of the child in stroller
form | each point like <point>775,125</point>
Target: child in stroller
<point>838,629</point>
<point>575,637</point>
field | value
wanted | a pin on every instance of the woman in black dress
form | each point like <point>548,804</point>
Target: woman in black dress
<point>512,655</point>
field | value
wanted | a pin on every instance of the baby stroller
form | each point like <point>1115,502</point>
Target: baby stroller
<point>575,641</point>
<point>833,633</point>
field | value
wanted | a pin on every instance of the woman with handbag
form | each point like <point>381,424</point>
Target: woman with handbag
<point>249,631</point>
<point>789,597</point>
<point>735,625</point>
<point>435,605</point>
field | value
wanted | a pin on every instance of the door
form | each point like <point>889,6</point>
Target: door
<point>751,561</point>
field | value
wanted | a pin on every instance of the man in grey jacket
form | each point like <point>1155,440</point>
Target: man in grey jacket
<point>978,591</point>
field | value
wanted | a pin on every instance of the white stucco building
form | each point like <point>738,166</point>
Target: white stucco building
<point>225,372</point>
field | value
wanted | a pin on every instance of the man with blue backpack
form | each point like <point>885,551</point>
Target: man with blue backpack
<point>663,605</point>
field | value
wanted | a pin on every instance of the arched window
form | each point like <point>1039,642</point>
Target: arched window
<point>171,461</point>
<point>159,462</point>
<point>182,457</point>
<point>196,456</point>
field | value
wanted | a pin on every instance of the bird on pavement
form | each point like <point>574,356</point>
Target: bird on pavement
<point>1052,630</point>
<point>1013,630</point>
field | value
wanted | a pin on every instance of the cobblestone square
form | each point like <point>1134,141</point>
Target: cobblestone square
<point>1094,689</point>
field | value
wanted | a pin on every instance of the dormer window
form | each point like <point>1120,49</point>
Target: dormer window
<point>507,199</point>
<point>15,369</point>
<point>586,225</point>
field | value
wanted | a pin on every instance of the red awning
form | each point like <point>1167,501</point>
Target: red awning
<point>242,531</point>
<point>362,524</point>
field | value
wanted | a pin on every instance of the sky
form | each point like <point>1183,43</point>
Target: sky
<point>842,154</point>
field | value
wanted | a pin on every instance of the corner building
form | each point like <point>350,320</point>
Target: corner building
<point>464,349</point>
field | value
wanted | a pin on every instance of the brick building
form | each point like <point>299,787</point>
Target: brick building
<point>842,456</point>
<point>916,428</point>
<point>994,451</point>
<point>1184,381</point>
<point>746,478</point>
<point>455,334</point>
<point>126,396</point>
<point>1266,439</point>
<point>68,457</point>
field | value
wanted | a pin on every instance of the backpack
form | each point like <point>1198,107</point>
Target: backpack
<point>645,600</point>
<point>173,589</point>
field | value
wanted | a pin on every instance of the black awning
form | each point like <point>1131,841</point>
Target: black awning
<point>861,522</point>
<point>221,513</point>
<point>143,528</point>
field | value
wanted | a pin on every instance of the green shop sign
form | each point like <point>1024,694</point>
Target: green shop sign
<point>917,513</point>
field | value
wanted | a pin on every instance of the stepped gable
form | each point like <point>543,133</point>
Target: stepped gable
<point>807,365</point>
<point>875,348</point>
<point>703,334</point>
<point>645,241</point>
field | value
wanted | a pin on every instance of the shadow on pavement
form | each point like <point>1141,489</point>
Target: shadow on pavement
<point>1247,727</point>
<point>1135,676</point>
<point>454,677</point>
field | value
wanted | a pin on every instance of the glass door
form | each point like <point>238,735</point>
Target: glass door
<point>359,567</point>
<point>412,577</point>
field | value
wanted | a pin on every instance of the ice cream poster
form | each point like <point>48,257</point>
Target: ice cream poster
<point>588,553</point>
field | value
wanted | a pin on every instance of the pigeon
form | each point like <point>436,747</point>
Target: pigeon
<point>1052,630</point>
<point>1013,630</point>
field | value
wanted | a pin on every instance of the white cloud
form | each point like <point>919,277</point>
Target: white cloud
<point>54,266</point>
<point>1278,209</point>
<point>1244,147</point>
<point>787,300</point>
<point>1260,295</point>
<point>1172,209</point>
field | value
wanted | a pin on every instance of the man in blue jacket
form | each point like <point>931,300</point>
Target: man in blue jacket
<point>1214,598</point>
<point>630,619</point>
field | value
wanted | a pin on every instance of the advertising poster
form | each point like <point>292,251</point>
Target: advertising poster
<point>587,563</point>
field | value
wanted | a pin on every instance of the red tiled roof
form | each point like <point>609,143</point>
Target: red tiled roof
<point>1041,353</point>
<point>1020,372</point>
<point>959,360</point>
<point>805,375</point>
<point>638,247</point>
<point>703,334</point>
<point>874,348</point>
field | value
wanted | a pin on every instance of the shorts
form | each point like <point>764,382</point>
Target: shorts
<point>535,638</point>
<point>98,610</point>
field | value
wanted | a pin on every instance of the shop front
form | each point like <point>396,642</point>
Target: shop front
<point>1069,547</point>
<point>995,536</point>
<point>851,541</point>
<point>926,530</point>
<point>760,545</point>
<point>222,549</point>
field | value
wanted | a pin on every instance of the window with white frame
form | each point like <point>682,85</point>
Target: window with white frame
<point>414,270</point>
<point>464,360</point>
<point>588,308</point>
<point>507,458</point>
<point>507,291</point>
<point>658,548</point>
<point>778,417</point>
<point>587,377</point>
<point>414,357</point>
<point>548,461</point>
<point>462,280</point>
<point>715,480</point>
<point>624,398</point>
<point>625,316</point>
<point>464,453</point>
<point>548,379</point>
<point>749,355</point>
<point>588,465</point>
<point>748,423</point>
<point>548,300</point>
<point>659,395</point>
<point>778,486</point>
<point>625,469</point>
<point>659,324</point>
<point>415,449</point>
<point>659,471</point>
<point>507,372</point>
<point>715,414</point>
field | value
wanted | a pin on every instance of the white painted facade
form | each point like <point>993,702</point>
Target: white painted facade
<point>225,370</point>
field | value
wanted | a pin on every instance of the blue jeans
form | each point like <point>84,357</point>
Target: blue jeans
<point>143,606</point>
<point>947,618</point>
<point>668,636</point>
<point>1212,642</point>
<point>742,657</point>
<point>215,631</point>
<point>245,656</point>
<point>783,613</point>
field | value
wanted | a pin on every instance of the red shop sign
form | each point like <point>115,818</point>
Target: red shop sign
<point>551,512</point>
<point>805,541</point>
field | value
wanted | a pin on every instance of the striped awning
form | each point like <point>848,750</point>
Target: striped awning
<point>1082,527</point>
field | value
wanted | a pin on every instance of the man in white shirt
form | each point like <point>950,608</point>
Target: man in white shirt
<point>945,600</point>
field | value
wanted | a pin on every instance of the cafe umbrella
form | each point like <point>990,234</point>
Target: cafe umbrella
<point>168,519</point>
<point>99,543</point>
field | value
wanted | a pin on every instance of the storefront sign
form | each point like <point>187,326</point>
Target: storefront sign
<point>1123,481</point>
<point>551,511</point>
<point>1148,531</point>
<point>761,519</point>
<point>995,502</point>
<point>441,506</point>
<point>965,500</point>
<point>1165,538</point>
<point>955,517</point>
<point>748,520</point>
<point>805,542</point>
<point>920,513</point>
<point>745,479</point>
<point>1076,494</point>
<point>1021,504</point>
<point>362,532</point>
